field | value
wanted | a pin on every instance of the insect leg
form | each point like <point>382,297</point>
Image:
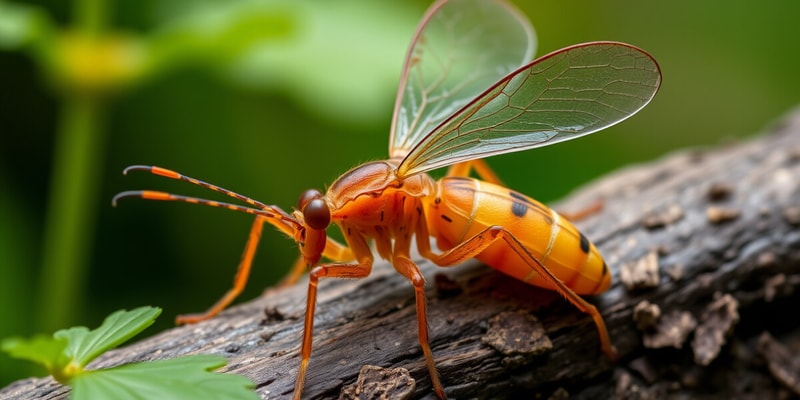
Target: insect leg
<point>578,215</point>
<point>298,269</point>
<point>334,251</point>
<point>485,172</point>
<point>481,241</point>
<point>411,271</point>
<point>239,281</point>
<point>480,167</point>
<point>362,269</point>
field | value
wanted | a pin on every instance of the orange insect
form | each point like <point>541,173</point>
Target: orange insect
<point>445,116</point>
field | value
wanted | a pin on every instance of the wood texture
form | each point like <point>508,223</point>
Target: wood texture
<point>717,221</point>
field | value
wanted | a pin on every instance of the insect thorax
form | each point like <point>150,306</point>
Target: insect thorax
<point>373,180</point>
<point>372,201</point>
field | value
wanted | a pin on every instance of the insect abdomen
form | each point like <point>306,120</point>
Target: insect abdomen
<point>465,207</point>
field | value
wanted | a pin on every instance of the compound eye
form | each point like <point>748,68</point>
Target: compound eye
<point>317,214</point>
<point>315,209</point>
<point>306,197</point>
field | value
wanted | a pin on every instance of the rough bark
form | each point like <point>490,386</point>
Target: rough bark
<point>710,239</point>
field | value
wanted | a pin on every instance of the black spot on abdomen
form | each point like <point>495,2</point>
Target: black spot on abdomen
<point>584,243</point>
<point>518,209</point>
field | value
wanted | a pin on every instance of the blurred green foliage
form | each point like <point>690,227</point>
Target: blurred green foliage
<point>269,98</point>
<point>67,353</point>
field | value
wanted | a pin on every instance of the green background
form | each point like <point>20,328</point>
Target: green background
<point>271,98</point>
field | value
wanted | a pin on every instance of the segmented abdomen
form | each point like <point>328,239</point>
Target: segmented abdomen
<point>464,207</point>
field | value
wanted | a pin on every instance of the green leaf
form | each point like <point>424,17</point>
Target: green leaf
<point>22,25</point>
<point>341,59</point>
<point>69,350</point>
<point>83,345</point>
<point>180,378</point>
<point>40,349</point>
<point>215,34</point>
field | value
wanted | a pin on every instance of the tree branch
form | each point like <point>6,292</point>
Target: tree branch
<point>698,224</point>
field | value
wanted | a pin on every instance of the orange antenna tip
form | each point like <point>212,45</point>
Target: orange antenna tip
<point>165,172</point>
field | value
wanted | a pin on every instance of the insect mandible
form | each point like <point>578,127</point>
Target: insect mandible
<point>445,116</point>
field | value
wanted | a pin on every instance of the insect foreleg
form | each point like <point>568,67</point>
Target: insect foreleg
<point>411,271</point>
<point>475,245</point>
<point>334,251</point>
<point>239,281</point>
<point>363,254</point>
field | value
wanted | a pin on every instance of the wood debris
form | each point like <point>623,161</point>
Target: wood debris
<point>640,274</point>
<point>671,331</point>
<point>646,315</point>
<point>783,363</point>
<point>719,191</point>
<point>716,324</point>
<point>380,383</point>
<point>792,215</point>
<point>518,335</point>
<point>660,219</point>
<point>718,215</point>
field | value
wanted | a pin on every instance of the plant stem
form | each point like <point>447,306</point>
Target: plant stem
<point>90,16</point>
<point>69,224</point>
<point>70,217</point>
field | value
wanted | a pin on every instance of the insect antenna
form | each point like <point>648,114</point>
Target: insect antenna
<point>155,195</point>
<point>258,208</point>
<point>178,176</point>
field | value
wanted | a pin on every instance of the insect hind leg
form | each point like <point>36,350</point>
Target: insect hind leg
<point>585,212</point>
<point>476,244</point>
<point>485,172</point>
<point>481,168</point>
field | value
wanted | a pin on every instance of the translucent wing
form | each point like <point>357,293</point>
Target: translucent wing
<point>461,47</point>
<point>564,95</point>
